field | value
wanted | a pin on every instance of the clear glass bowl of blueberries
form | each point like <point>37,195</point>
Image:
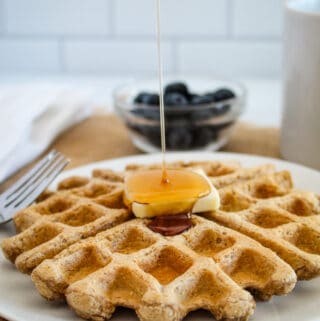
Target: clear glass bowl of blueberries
<point>199,113</point>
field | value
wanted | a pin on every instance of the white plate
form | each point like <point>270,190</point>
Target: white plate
<point>19,301</point>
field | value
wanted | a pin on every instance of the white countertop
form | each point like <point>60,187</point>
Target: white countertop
<point>263,106</point>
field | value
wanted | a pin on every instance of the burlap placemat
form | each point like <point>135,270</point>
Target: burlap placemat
<point>104,137</point>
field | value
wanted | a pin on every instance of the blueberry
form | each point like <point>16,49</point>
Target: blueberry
<point>192,97</point>
<point>202,114</point>
<point>152,113</point>
<point>177,120</point>
<point>134,127</point>
<point>147,99</point>
<point>223,94</point>
<point>140,98</point>
<point>175,99</point>
<point>179,138</point>
<point>152,134</point>
<point>221,110</point>
<point>224,109</point>
<point>177,88</point>
<point>204,136</point>
<point>202,100</point>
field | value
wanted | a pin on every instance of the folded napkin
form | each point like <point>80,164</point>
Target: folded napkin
<point>31,116</point>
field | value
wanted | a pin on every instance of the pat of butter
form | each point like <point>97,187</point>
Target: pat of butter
<point>205,203</point>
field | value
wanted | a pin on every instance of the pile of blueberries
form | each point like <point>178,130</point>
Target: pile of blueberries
<point>186,115</point>
<point>178,94</point>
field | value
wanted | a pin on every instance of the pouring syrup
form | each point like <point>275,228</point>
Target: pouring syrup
<point>167,188</point>
<point>164,179</point>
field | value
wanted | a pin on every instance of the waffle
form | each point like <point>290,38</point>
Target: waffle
<point>285,220</point>
<point>163,278</point>
<point>80,208</point>
<point>263,204</point>
<point>81,244</point>
<point>211,169</point>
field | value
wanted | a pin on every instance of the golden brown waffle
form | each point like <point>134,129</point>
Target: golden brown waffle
<point>267,209</point>
<point>212,169</point>
<point>163,278</point>
<point>262,204</point>
<point>81,208</point>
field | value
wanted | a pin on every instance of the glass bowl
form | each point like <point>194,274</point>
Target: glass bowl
<point>205,126</point>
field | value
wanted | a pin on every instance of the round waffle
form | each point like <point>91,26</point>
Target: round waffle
<point>80,243</point>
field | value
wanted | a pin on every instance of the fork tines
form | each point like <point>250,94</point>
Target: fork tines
<point>32,184</point>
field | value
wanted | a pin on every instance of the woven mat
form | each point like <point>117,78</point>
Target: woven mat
<point>104,137</point>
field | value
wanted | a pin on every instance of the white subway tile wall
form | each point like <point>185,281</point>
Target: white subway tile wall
<point>231,59</point>
<point>57,17</point>
<point>29,56</point>
<point>181,18</point>
<point>237,38</point>
<point>114,57</point>
<point>258,18</point>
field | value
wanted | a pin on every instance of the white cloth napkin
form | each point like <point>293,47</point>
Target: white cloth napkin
<point>31,116</point>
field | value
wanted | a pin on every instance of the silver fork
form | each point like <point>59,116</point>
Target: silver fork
<point>25,191</point>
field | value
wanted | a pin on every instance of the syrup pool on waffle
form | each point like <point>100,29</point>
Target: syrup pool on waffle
<point>184,192</point>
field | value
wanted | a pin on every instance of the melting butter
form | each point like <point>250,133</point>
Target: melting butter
<point>187,191</point>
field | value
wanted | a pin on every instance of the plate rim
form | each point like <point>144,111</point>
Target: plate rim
<point>220,155</point>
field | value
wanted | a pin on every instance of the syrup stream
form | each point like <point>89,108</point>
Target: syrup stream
<point>165,179</point>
